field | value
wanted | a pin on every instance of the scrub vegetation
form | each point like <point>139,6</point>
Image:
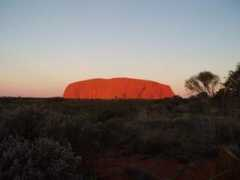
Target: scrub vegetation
<point>61,139</point>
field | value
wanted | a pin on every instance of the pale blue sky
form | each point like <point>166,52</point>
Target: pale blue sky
<point>46,44</point>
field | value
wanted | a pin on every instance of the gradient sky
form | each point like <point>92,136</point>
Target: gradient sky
<point>45,44</point>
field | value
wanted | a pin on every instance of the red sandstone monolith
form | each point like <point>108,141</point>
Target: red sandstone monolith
<point>117,88</point>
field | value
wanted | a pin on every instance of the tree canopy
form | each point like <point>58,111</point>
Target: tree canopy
<point>205,81</point>
<point>232,84</point>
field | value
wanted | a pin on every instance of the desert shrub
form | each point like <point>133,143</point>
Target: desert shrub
<point>42,159</point>
<point>175,127</point>
<point>35,121</point>
<point>189,136</point>
<point>26,121</point>
<point>228,130</point>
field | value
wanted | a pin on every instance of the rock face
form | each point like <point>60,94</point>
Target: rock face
<point>117,88</point>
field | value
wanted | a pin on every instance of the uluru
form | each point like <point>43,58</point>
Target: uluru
<point>117,88</point>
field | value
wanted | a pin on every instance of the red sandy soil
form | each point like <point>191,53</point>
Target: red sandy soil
<point>117,88</point>
<point>114,167</point>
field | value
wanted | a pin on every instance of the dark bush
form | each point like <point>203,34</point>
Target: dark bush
<point>42,159</point>
<point>26,121</point>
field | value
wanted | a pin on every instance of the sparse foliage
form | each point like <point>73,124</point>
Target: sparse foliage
<point>204,82</point>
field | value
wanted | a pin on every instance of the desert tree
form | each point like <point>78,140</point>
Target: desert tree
<point>204,82</point>
<point>232,84</point>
